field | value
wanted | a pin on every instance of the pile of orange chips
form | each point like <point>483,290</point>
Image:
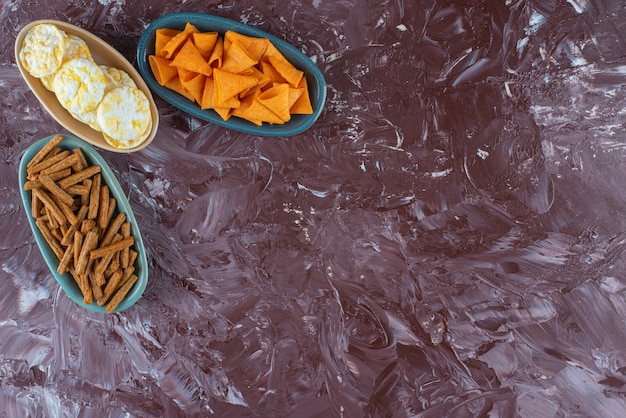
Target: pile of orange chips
<point>235,75</point>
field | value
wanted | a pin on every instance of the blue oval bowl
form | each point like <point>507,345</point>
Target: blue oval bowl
<point>210,23</point>
<point>67,282</point>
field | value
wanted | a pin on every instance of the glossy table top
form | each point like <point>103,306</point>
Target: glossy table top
<point>447,239</point>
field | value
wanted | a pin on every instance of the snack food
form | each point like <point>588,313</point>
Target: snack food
<point>65,66</point>
<point>234,74</point>
<point>43,50</point>
<point>85,242</point>
<point>79,85</point>
<point>74,48</point>
<point>124,116</point>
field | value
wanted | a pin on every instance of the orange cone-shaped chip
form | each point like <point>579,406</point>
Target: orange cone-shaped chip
<point>228,85</point>
<point>208,94</point>
<point>177,41</point>
<point>176,85</point>
<point>263,79</point>
<point>276,98</point>
<point>161,69</point>
<point>302,106</point>
<point>205,42</point>
<point>294,95</point>
<point>224,112</point>
<point>270,72</point>
<point>254,46</point>
<point>237,59</point>
<point>195,85</point>
<point>215,60</point>
<point>189,58</point>
<point>283,66</point>
<point>209,97</point>
<point>163,36</point>
<point>259,112</point>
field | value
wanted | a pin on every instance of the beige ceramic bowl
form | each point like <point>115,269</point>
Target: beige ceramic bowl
<point>103,54</point>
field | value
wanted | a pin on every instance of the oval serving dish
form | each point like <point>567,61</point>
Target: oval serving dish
<point>211,23</point>
<point>103,54</point>
<point>67,282</point>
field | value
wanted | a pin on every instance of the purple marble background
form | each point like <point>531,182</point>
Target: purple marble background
<point>447,240</point>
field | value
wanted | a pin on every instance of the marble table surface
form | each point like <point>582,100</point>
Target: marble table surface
<point>448,239</point>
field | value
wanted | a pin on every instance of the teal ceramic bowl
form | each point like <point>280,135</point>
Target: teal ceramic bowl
<point>67,282</point>
<point>210,23</point>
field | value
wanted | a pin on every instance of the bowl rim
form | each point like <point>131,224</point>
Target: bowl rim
<point>66,281</point>
<point>209,22</point>
<point>63,117</point>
